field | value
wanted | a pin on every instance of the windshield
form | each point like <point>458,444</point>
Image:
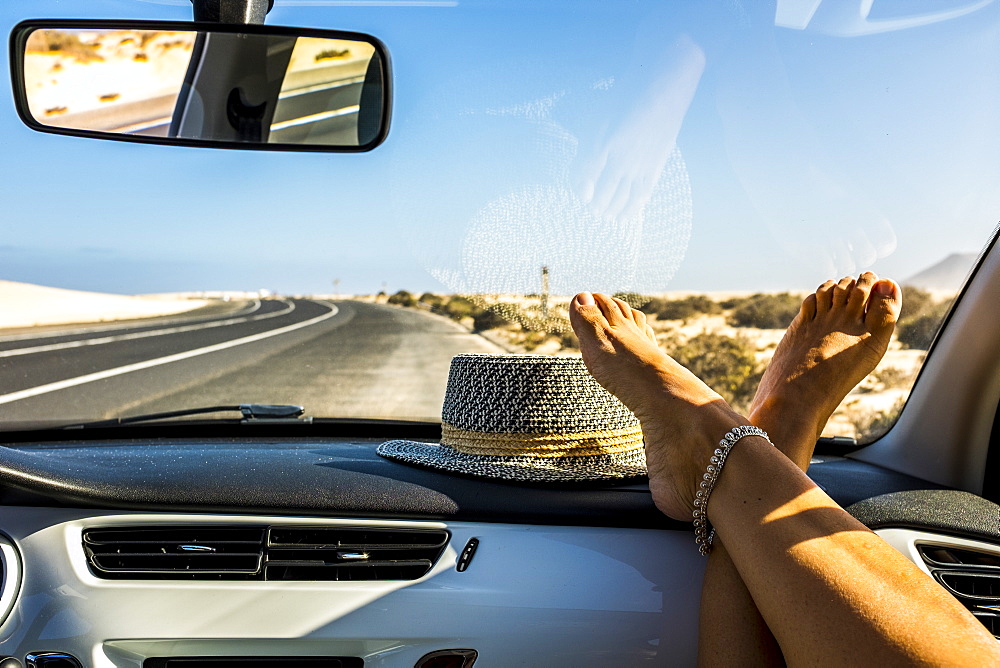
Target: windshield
<point>709,162</point>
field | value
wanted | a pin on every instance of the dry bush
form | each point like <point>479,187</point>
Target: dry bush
<point>763,311</point>
<point>57,42</point>
<point>726,364</point>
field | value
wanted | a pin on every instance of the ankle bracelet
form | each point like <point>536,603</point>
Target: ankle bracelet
<point>704,533</point>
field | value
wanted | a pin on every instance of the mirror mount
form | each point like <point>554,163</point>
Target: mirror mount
<point>244,12</point>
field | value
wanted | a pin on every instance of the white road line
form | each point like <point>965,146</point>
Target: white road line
<point>142,335</point>
<point>315,118</point>
<point>305,90</point>
<point>139,366</point>
<point>120,324</point>
<point>144,125</point>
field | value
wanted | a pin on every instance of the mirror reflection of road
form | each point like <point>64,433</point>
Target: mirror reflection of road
<point>321,109</point>
<point>338,359</point>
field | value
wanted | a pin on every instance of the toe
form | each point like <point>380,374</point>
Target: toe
<point>824,297</point>
<point>884,303</point>
<point>624,307</point>
<point>808,309</point>
<point>862,289</point>
<point>585,316</point>
<point>842,291</point>
<point>614,310</point>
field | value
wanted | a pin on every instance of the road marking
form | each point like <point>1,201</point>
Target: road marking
<point>139,366</point>
<point>305,90</point>
<point>144,125</point>
<point>315,118</point>
<point>142,335</point>
<point>120,324</point>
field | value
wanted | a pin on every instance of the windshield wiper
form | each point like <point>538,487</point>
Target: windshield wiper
<point>252,414</point>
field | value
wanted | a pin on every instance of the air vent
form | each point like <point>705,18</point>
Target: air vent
<point>349,554</point>
<point>260,553</point>
<point>972,577</point>
<point>192,553</point>
<point>971,585</point>
<point>937,555</point>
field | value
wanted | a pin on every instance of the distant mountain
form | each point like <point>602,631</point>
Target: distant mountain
<point>948,274</point>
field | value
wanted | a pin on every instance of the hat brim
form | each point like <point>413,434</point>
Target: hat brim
<point>617,467</point>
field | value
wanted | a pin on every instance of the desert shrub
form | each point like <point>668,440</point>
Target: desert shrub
<point>687,307</point>
<point>731,303</point>
<point>871,425</point>
<point>67,44</point>
<point>534,339</point>
<point>402,298</point>
<point>568,340</point>
<point>918,331</point>
<point>764,311</point>
<point>726,364</point>
<point>893,377</point>
<point>490,318</point>
<point>459,307</point>
<point>633,299</point>
<point>332,54</point>
<point>916,302</point>
<point>432,300</point>
<point>920,318</point>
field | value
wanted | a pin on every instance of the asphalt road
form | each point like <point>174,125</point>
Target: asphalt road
<point>338,359</point>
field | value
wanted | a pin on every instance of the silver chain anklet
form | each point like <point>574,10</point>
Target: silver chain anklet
<point>703,531</point>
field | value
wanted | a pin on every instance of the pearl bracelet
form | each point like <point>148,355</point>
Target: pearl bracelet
<point>703,531</point>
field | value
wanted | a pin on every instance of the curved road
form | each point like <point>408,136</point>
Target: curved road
<point>338,359</point>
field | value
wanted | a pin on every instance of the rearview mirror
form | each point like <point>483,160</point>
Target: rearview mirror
<point>226,86</point>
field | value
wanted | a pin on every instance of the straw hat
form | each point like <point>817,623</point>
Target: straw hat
<point>529,418</point>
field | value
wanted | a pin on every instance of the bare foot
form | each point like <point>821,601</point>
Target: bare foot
<point>682,418</point>
<point>838,337</point>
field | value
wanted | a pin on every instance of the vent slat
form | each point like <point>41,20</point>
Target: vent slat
<point>972,585</point>
<point>425,563</point>
<point>351,554</point>
<point>936,555</point>
<point>971,576</point>
<point>353,546</point>
<point>263,553</point>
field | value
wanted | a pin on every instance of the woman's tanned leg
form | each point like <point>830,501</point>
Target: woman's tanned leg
<point>829,589</point>
<point>837,338</point>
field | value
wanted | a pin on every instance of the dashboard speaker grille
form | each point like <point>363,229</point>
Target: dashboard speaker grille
<point>210,552</point>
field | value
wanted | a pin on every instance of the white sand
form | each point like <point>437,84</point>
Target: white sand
<point>26,305</point>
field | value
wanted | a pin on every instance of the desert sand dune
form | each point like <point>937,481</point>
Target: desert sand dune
<point>26,305</point>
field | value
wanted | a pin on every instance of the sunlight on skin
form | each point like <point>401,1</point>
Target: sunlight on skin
<point>839,334</point>
<point>827,587</point>
<point>853,593</point>
<point>808,498</point>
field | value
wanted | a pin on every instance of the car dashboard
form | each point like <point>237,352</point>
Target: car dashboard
<point>142,551</point>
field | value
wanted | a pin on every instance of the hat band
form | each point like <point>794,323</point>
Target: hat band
<point>542,446</point>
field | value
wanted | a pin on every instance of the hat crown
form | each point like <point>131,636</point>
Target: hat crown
<point>538,394</point>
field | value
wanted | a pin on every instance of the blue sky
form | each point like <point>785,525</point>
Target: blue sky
<point>800,154</point>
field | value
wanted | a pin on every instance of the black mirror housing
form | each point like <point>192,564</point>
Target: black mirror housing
<point>203,84</point>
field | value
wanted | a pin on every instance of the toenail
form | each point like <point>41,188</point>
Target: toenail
<point>585,299</point>
<point>885,288</point>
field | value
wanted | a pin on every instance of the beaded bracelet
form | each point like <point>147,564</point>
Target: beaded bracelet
<point>703,531</point>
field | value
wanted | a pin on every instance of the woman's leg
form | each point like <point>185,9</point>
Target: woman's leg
<point>838,337</point>
<point>829,589</point>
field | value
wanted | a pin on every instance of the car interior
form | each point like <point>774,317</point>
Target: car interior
<point>251,533</point>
